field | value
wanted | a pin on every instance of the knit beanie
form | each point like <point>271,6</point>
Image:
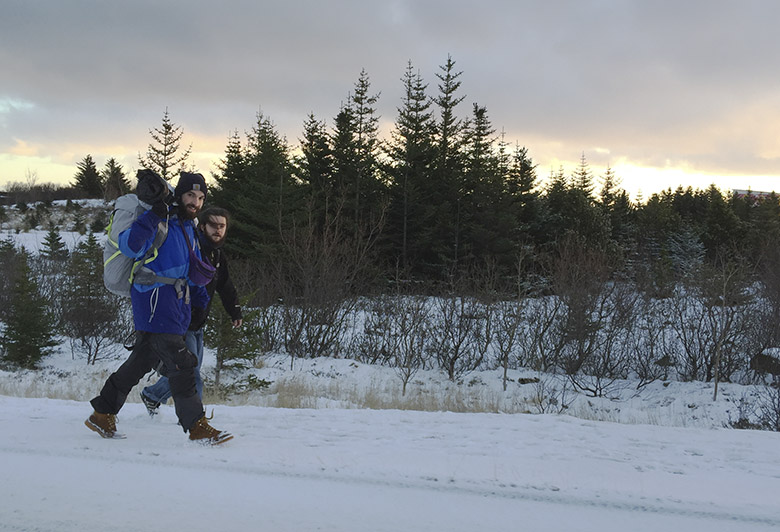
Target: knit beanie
<point>190,181</point>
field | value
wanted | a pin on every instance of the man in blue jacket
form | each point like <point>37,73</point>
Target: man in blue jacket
<point>213,227</point>
<point>162,299</point>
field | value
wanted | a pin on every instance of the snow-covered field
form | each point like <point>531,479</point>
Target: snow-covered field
<point>354,456</point>
<point>347,469</point>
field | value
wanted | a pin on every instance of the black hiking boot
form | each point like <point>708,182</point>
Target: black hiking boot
<point>204,433</point>
<point>151,406</point>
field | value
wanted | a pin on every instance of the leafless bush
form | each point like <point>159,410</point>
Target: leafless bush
<point>647,357</point>
<point>509,318</point>
<point>768,407</point>
<point>460,334</point>
<point>615,316</point>
<point>597,314</point>
<point>539,343</point>
<point>412,329</point>
<point>550,396</point>
<point>377,339</point>
<point>713,321</point>
<point>319,274</point>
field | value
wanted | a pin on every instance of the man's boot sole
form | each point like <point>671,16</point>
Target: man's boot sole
<point>103,433</point>
<point>223,437</point>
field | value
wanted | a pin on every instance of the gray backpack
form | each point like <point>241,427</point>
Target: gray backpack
<point>119,270</point>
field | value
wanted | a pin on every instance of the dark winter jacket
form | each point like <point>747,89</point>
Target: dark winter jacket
<point>157,308</point>
<point>221,283</point>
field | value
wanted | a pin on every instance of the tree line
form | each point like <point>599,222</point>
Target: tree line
<point>566,274</point>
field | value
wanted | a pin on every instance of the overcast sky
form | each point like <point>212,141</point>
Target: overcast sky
<point>667,93</point>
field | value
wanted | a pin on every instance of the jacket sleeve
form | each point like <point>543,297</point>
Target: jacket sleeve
<point>227,292</point>
<point>199,295</point>
<point>137,240</point>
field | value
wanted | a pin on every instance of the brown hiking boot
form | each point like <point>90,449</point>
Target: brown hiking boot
<point>103,424</point>
<point>202,432</point>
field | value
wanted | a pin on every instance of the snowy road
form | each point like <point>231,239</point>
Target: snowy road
<point>360,470</point>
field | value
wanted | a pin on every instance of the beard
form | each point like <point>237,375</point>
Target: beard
<point>187,214</point>
<point>215,243</point>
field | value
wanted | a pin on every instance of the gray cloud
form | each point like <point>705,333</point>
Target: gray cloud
<point>652,82</point>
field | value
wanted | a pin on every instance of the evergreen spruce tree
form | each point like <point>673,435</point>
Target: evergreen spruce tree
<point>115,182</point>
<point>369,188</point>
<point>53,246</point>
<point>582,179</point>
<point>569,210</point>
<point>88,179</point>
<point>444,236</point>
<point>29,329</point>
<point>411,154</point>
<point>356,168</point>
<point>79,222</point>
<point>235,348</point>
<point>90,313</point>
<point>9,267</point>
<point>522,185</point>
<point>617,206</point>
<point>721,229</point>
<point>314,167</point>
<point>164,155</point>
<point>345,156</point>
<point>257,185</point>
<point>488,223</point>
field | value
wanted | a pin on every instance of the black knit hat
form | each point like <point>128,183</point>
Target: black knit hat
<point>190,181</point>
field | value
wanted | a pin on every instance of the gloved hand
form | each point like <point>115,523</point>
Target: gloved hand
<point>151,187</point>
<point>160,208</point>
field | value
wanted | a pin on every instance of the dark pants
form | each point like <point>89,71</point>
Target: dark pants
<point>178,364</point>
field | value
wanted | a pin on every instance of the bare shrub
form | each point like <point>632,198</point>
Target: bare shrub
<point>509,318</point>
<point>377,339</point>
<point>598,312</point>
<point>647,356</point>
<point>713,320</point>
<point>460,334</point>
<point>540,342</point>
<point>768,407</point>
<point>319,272</point>
<point>550,396</point>
<point>412,326</point>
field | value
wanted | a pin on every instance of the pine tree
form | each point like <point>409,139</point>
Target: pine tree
<point>355,150</point>
<point>235,348</point>
<point>9,266</point>
<point>521,185</point>
<point>88,178</point>
<point>443,237</point>
<point>54,248</point>
<point>28,335</point>
<point>79,222</point>
<point>617,206</point>
<point>486,213</point>
<point>368,187</point>
<point>257,185</point>
<point>163,154</point>
<point>115,182</point>
<point>314,167</point>
<point>90,312</point>
<point>582,179</point>
<point>411,159</point>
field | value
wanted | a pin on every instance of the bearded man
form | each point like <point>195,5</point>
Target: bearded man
<point>162,296</point>
<point>213,227</point>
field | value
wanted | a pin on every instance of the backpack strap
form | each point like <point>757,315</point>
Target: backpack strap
<point>141,274</point>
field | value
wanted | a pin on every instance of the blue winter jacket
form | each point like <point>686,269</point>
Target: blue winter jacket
<point>157,308</point>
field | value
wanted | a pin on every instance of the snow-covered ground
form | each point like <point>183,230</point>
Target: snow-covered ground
<point>354,456</point>
<point>346,469</point>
